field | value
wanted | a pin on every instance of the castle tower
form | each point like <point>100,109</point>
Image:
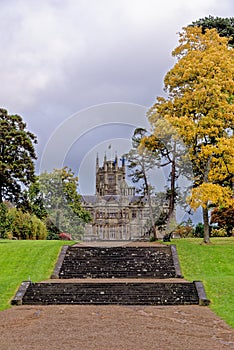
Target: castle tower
<point>109,177</point>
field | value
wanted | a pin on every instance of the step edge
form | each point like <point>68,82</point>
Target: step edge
<point>18,298</point>
<point>57,268</point>
<point>203,301</point>
<point>176,261</point>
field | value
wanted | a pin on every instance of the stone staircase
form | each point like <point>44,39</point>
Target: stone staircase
<point>123,275</point>
<point>118,262</point>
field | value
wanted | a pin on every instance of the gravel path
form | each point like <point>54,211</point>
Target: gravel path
<point>110,327</point>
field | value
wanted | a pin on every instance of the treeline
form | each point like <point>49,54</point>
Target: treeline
<point>31,206</point>
<point>50,208</point>
<point>16,224</point>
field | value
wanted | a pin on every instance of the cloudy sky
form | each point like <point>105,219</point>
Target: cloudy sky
<point>61,57</point>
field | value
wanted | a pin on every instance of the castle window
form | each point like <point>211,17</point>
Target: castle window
<point>100,214</point>
<point>125,213</point>
<point>112,232</point>
<point>111,178</point>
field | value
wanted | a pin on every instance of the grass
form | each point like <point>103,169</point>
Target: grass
<point>22,261</point>
<point>214,266</point>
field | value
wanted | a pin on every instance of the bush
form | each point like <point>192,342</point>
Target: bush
<point>199,230</point>
<point>183,231</point>
<point>38,228</point>
<point>218,232</point>
<point>65,236</point>
<point>22,225</point>
<point>52,236</point>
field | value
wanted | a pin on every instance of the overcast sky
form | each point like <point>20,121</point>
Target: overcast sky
<point>59,57</point>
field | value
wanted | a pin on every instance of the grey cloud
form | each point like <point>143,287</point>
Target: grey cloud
<point>58,57</point>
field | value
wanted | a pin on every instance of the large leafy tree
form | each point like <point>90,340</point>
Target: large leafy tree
<point>62,202</point>
<point>224,26</point>
<point>17,154</point>
<point>200,106</point>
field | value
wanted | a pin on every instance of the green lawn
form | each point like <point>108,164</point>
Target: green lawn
<point>214,266</point>
<point>24,260</point>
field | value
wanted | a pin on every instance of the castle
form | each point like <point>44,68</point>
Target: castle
<point>117,212</point>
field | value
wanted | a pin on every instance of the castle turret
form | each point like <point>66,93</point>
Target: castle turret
<point>123,166</point>
<point>109,177</point>
<point>97,162</point>
<point>116,161</point>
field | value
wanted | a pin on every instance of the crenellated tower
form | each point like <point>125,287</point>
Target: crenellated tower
<point>110,178</point>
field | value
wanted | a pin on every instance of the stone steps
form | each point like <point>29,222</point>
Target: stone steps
<point>119,293</point>
<point>118,262</point>
<point>119,275</point>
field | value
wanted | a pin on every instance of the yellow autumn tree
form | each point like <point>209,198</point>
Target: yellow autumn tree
<point>200,106</point>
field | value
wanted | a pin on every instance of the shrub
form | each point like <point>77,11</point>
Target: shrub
<point>20,223</point>
<point>218,232</point>
<point>183,231</point>
<point>52,236</point>
<point>25,226</point>
<point>65,236</point>
<point>199,230</point>
<point>38,228</point>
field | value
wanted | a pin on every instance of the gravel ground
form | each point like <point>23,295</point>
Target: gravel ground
<point>89,327</point>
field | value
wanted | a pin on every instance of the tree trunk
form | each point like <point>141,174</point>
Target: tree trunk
<point>172,199</point>
<point>152,217</point>
<point>147,190</point>
<point>171,221</point>
<point>206,238</point>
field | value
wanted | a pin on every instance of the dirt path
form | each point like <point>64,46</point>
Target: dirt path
<point>113,328</point>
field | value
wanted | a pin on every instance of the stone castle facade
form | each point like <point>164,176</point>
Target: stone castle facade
<point>117,212</point>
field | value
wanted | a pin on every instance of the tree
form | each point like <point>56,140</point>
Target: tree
<point>224,26</point>
<point>62,202</point>
<point>16,156</point>
<point>224,217</point>
<point>140,162</point>
<point>200,107</point>
<point>168,151</point>
<point>32,201</point>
